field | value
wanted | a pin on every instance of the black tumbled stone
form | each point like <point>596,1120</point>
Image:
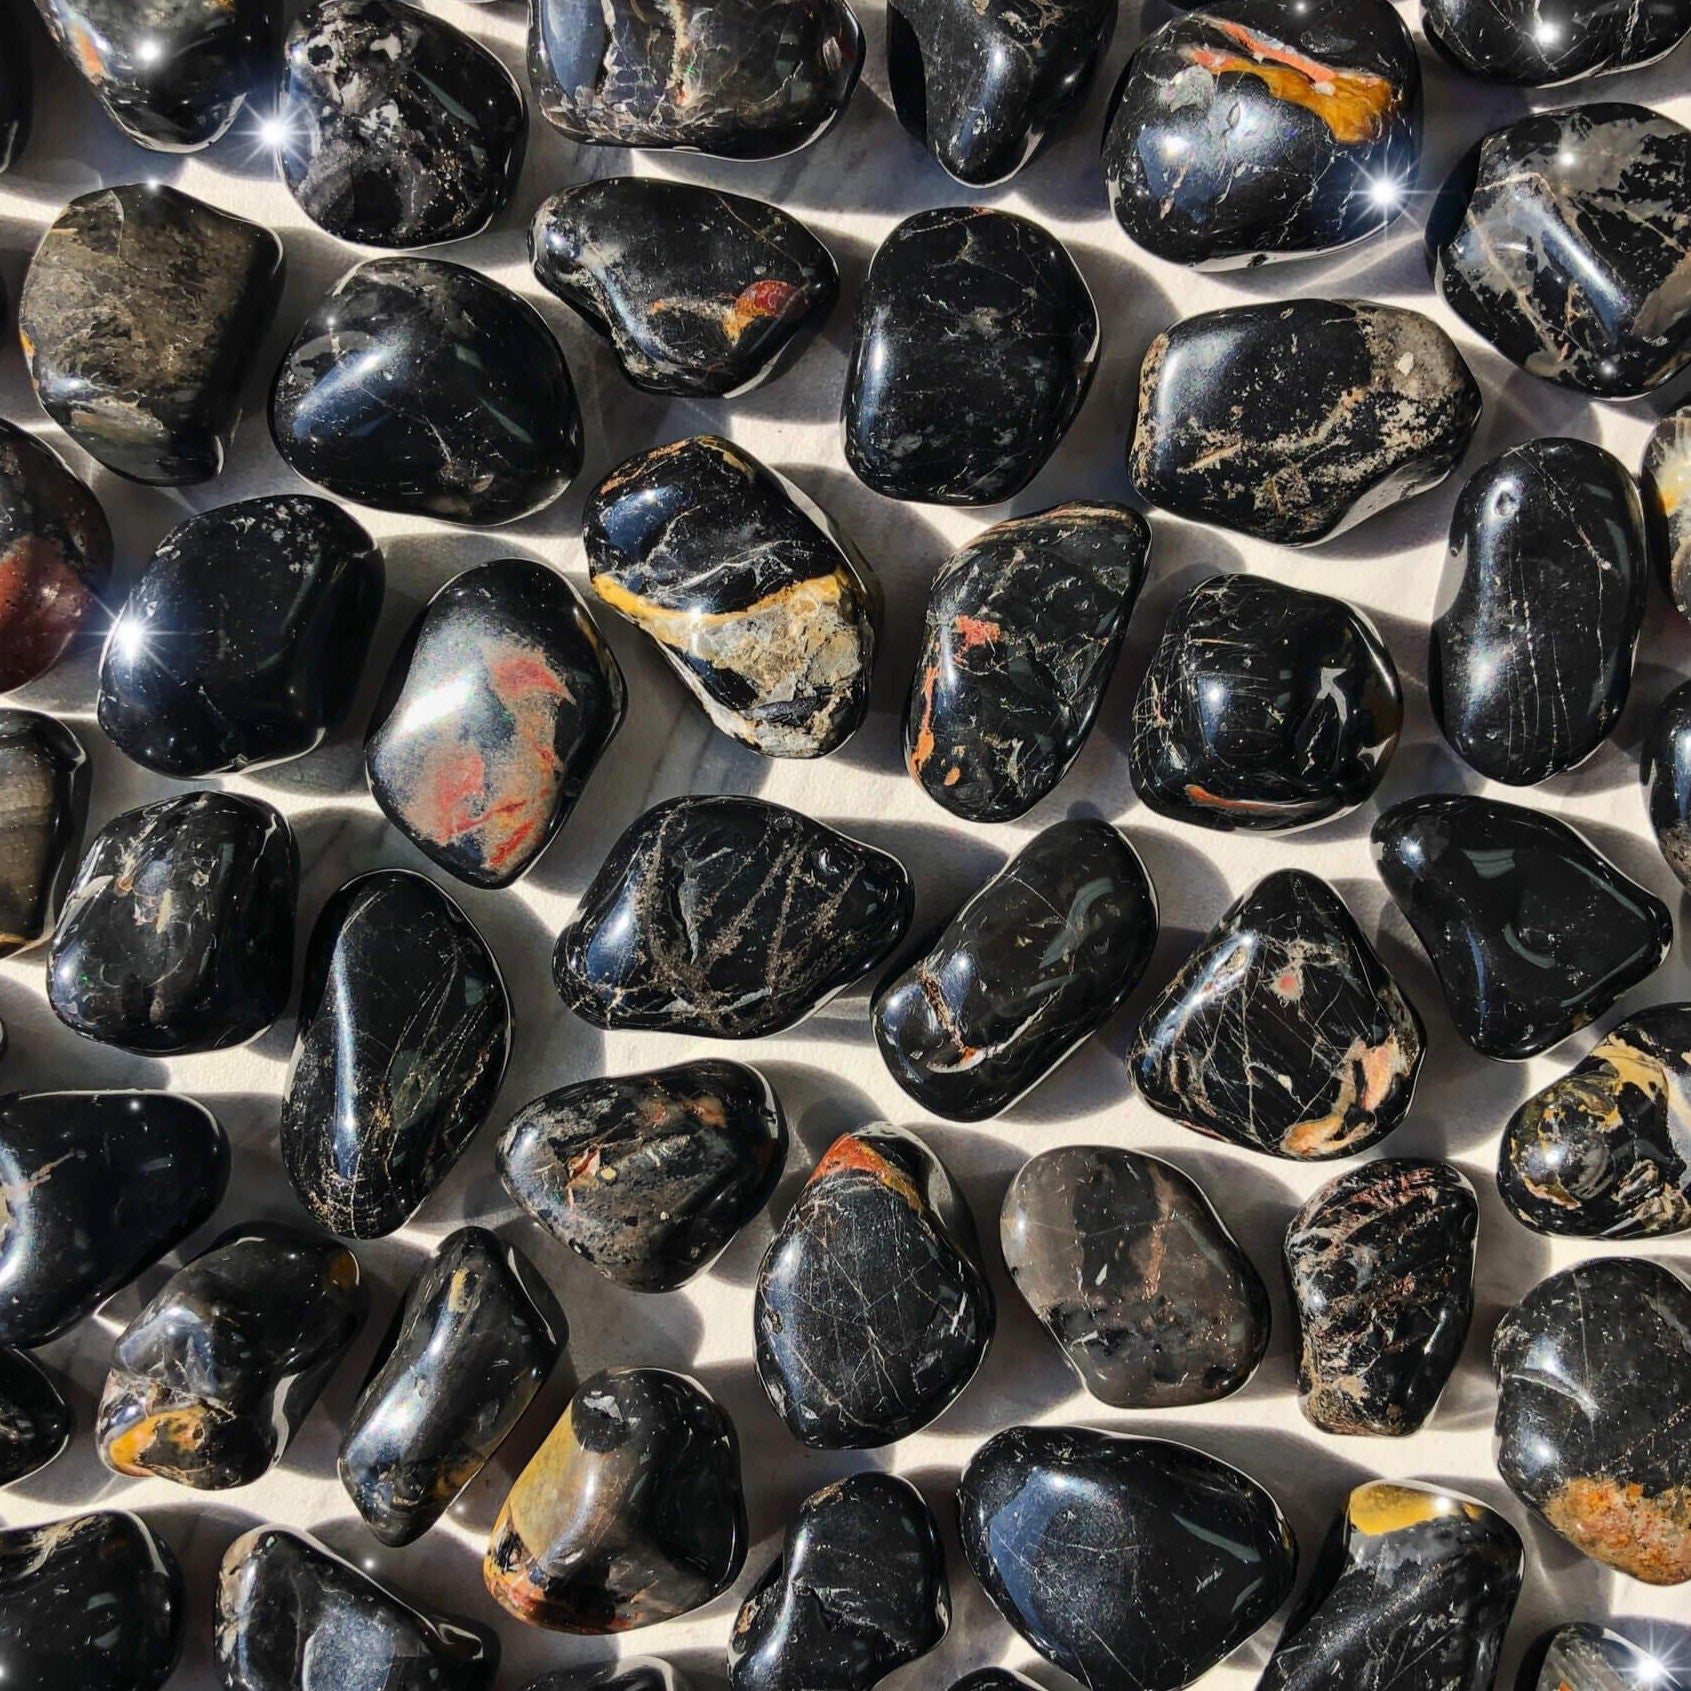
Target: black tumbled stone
<point>1540,43</point>
<point>35,1420</point>
<point>1667,773</point>
<point>43,804</point>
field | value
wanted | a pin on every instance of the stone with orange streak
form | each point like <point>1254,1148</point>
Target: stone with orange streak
<point>1666,478</point>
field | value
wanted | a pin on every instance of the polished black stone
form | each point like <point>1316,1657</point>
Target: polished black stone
<point>649,1176</point>
<point>754,597</point>
<point>1666,478</point>
<point>1038,960</point>
<point>404,1028</point>
<point>177,933</point>
<point>500,702</point>
<point>728,918</point>
<point>1245,130</point>
<point>1531,932</point>
<point>626,1673</point>
<point>858,1590</point>
<point>1561,239</point>
<point>1132,1563</point>
<point>696,290</point>
<point>1530,660</point>
<point>974,346</point>
<point>994,1679</point>
<point>1584,1657</point>
<point>1291,420</point>
<point>422,387</point>
<point>474,1340</point>
<point>17,89</point>
<point>1593,1373</point>
<point>99,1185</point>
<point>1023,628</point>
<point>43,804</point>
<point>35,1420</point>
<point>1667,772</point>
<point>1543,42</point>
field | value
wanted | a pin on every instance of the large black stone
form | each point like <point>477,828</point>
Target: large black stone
<point>17,90</point>
<point>1543,42</point>
<point>1585,1657</point>
<point>43,804</point>
<point>1667,771</point>
<point>1666,477</point>
<point>35,1421</point>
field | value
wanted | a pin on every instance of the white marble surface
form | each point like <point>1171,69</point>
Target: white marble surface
<point>852,188</point>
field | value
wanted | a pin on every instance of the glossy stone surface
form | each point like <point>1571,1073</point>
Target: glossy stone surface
<point>626,1673</point>
<point>1530,661</point>
<point>1380,1263</point>
<point>780,913</point>
<point>1038,960</point>
<point>404,1028</point>
<point>872,1312</point>
<point>1264,708</point>
<point>17,89</point>
<point>1247,129</point>
<point>745,79</point>
<point>1666,477</point>
<point>1561,240</point>
<point>1411,1592</point>
<point>1283,1032</point>
<point>1593,1373</point>
<point>1241,425</point>
<point>140,314</point>
<point>1583,1657</point>
<point>973,349</point>
<point>35,1421</point>
<point>293,1616</point>
<point>631,1512</point>
<point>397,130</point>
<point>755,599</point>
<point>858,1590</point>
<point>422,387</point>
<point>99,1185</point>
<point>43,804</point>
<point>696,291</point>
<point>1531,932</point>
<point>1544,42</point>
<point>1667,772</point>
<point>474,1340</point>
<point>1022,632</point>
<point>649,1176</point>
<point>1132,1563</point>
<point>498,706</point>
<point>177,933</point>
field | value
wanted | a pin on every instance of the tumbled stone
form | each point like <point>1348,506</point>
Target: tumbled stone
<point>1530,931</point>
<point>500,702</point>
<point>649,1176</point>
<point>1022,632</point>
<point>17,93</point>
<point>140,314</point>
<point>1584,1657</point>
<point>858,1590</point>
<point>1242,424</point>
<point>974,346</point>
<point>754,597</point>
<point>1543,42</point>
<point>1667,503</point>
<point>876,1260</point>
<point>626,1673</point>
<point>1667,772</point>
<point>1036,962</point>
<point>1593,1372</point>
<point>43,804</point>
<point>994,1679</point>
<point>35,1420</point>
<point>631,1512</point>
<point>404,1029</point>
<point>728,918</point>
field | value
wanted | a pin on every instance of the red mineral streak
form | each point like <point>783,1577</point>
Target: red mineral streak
<point>762,300</point>
<point>42,604</point>
<point>975,631</point>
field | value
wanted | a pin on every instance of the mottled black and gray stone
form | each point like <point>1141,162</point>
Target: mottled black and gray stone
<point>1540,43</point>
<point>43,805</point>
<point>35,1421</point>
<point>1666,478</point>
<point>1667,774</point>
<point>626,1673</point>
<point>1583,1657</point>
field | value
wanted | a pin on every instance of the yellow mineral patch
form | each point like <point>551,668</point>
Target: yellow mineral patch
<point>1381,1507</point>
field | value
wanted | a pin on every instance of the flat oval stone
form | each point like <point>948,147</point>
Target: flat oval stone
<point>1132,1563</point>
<point>1531,659</point>
<point>1412,1592</point>
<point>858,1590</point>
<point>754,597</point>
<point>99,1185</point>
<point>293,1616</point>
<point>877,1258</point>
<point>1604,1152</point>
<point>500,702</point>
<point>695,290</point>
<point>1531,932</point>
<point>474,1340</point>
<point>744,79</point>
<point>974,346</point>
<point>630,1513</point>
<point>178,932</point>
<point>140,315</point>
<point>1135,1276</point>
<point>1246,130</point>
<point>1264,708</point>
<point>43,805</point>
<point>1593,1367</point>
<point>397,130</point>
<point>1584,1657</point>
<point>1034,964</point>
<point>422,387</point>
<point>779,914</point>
<point>1667,772</point>
<point>1561,240</point>
<point>649,1176</point>
<point>1541,44</point>
<point>626,1673</point>
<point>404,1028</point>
<point>17,92</point>
<point>35,1421</point>
<point>1023,628</point>
<point>1381,1268</point>
<point>1240,427</point>
<point>1666,477</point>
